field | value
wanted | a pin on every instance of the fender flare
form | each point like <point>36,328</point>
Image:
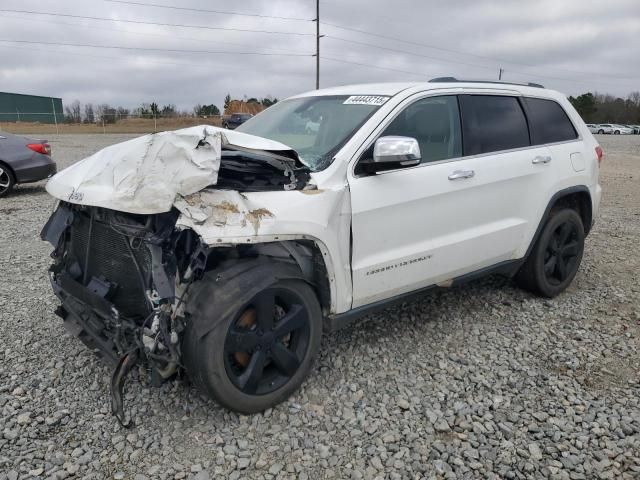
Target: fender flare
<point>547,212</point>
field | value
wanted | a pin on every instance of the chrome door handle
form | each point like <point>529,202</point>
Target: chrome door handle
<point>541,159</point>
<point>458,174</point>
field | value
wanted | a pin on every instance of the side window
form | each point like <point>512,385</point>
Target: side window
<point>548,122</point>
<point>435,123</point>
<point>491,123</point>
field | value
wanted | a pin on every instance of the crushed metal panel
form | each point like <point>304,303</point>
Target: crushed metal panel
<point>146,174</point>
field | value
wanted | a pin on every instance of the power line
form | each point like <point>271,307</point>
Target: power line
<point>161,35</point>
<point>140,22</point>
<point>443,60</point>
<point>110,57</point>
<point>449,50</point>
<point>368,65</point>
<point>205,10</point>
<point>397,50</point>
<point>150,49</point>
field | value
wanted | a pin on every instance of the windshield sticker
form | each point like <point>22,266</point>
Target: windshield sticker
<point>365,100</point>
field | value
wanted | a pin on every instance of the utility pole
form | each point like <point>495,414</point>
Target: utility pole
<point>500,73</point>
<point>317,44</point>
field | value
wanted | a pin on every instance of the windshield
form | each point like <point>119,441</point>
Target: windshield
<point>315,127</point>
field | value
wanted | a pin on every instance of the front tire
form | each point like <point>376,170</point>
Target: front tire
<point>259,355</point>
<point>600,132</point>
<point>7,180</point>
<point>556,255</point>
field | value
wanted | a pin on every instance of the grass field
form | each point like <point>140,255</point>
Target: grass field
<point>132,125</point>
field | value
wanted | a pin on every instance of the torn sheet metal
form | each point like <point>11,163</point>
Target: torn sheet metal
<point>225,211</point>
<point>144,175</point>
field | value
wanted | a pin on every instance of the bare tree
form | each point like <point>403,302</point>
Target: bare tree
<point>72,112</point>
<point>89,116</point>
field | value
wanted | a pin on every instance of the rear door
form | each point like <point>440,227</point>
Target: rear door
<point>551,126</point>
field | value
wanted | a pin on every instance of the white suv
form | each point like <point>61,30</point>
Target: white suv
<point>227,253</point>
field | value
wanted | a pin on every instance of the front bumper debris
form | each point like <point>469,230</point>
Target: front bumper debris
<point>115,274</point>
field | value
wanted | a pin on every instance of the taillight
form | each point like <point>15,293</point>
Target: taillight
<point>43,148</point>
<point>599,154</point>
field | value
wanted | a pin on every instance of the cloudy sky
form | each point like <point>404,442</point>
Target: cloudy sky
<point>570,45</point>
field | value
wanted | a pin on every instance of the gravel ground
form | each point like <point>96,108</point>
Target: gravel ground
<point>483,381</point>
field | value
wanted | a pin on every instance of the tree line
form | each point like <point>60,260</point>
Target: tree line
<point>105,113</point>
<point>605,108</point>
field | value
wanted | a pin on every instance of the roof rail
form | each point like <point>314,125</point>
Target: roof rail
<point>455,80</point>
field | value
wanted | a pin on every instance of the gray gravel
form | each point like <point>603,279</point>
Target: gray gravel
<point>484,381</point>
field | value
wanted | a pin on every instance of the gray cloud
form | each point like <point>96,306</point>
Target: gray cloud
<point>573,46</point>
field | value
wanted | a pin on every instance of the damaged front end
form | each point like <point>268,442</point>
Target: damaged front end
<point>115,275</point>
<point>123,261</point>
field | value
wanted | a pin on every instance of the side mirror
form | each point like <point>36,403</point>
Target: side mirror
<point>391,153</point>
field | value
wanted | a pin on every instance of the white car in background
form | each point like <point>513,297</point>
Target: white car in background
<point>618,129</point>
<point>593,128</point>
<point>622,130</point>
<point>604,128</point>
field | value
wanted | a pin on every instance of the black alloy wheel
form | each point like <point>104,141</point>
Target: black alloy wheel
<point>555,258</point>
<point>266,344</point>
<point>562,252</point>
<point>258,352</point>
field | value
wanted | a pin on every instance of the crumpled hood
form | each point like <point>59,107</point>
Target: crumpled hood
<point>145,174</point>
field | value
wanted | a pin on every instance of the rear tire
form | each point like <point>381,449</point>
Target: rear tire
<point>258,356</point>
<point>556,255</point>
<point>7,180</point>
<point>600,132</point>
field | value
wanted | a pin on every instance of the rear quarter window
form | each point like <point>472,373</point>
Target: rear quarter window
<point>491,123</point>
<point>548,122</point>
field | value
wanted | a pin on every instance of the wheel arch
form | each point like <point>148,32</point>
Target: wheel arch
<point>578,198</point>
<point>242,277</point>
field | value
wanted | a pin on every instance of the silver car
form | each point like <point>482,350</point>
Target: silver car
<point>23,160</point>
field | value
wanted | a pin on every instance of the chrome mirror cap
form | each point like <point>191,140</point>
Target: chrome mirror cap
<point>403,150</point>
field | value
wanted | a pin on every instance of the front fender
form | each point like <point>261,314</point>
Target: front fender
<point>228,217</point>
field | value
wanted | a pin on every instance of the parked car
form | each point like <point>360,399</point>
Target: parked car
<point>635,128</point>
<point>23,160</point>
<point>618,129</point>
<point>605,128</point>
<point>594,128</point>
<point>231,257</point>
<point>235,120</point>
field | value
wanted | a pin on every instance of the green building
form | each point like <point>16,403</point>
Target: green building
<point>16,107</point>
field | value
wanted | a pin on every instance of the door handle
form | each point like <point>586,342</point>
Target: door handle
<point>541,159</point>
<point>458,174</point>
